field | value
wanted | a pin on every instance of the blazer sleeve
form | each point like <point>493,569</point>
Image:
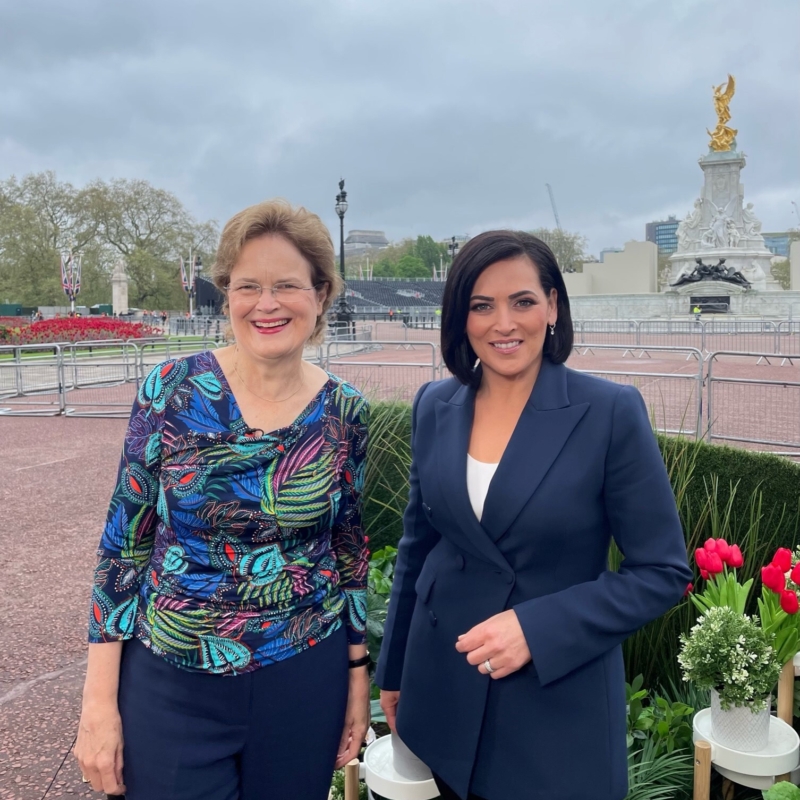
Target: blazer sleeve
<point>567,629</point>
<point>419,538</point>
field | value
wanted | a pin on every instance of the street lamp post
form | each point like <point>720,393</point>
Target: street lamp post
<point>453,249</point>
<point>343,314</point>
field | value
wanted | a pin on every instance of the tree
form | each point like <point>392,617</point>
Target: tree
<point>430,252</point>
<point>384,269</point>
<point>151,230</point>
<point>411,267</point>
<point>41,218</point>
<point>781,273</point>
<point>568,248</point>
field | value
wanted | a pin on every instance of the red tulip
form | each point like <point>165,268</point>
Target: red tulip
<point>710,545</point>
<point>714,563</point>
<point>773,578</point>
<point>723,548</point>
<point>782,559</point>
<point>795,576</point>
<point>701,557</point>
<point>689,589</point>
<point>704,574</point>
<point>735,557</point>
<point>789,602</point>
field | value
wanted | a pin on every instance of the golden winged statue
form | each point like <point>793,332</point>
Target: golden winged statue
<point>723,137</point>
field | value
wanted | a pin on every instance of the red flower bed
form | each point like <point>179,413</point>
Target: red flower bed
<point>76,329</point>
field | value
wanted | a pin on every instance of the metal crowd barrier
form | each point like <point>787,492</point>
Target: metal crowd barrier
<point>670,379</point>
<point>708,336</point>
<point>398,379</point>
<point>97,378</point>
<point>763,412</point>
<point>101,378</point>
<point>31,380</point>
<point>787,337</point>
<point>104,384</point>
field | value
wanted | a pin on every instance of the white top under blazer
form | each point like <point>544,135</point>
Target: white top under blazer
<point>479,476</point>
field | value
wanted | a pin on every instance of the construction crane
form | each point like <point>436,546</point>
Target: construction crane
<point>553,203</point>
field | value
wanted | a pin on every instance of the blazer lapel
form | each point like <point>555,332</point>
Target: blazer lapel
<point>544,426</point>
<point>453,427</point>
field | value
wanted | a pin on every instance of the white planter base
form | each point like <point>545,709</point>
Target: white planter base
<point>739,728</point>
<point>780,756</point>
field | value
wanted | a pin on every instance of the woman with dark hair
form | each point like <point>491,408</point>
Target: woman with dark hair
<point>501,666</point>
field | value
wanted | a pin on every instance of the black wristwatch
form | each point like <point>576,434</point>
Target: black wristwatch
<point>359,662</point>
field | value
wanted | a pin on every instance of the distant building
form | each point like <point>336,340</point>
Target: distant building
<point>608,250</point>
<point>461,239</point>
<point>663,234</point>
<point>364,241</point>
<point>778,243</point>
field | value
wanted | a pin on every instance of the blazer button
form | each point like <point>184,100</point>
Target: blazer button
<point>459,561</point>
<point>432,617</point>
<point>509,579</point>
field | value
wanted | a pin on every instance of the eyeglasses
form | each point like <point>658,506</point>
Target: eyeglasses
<point>284,292</point>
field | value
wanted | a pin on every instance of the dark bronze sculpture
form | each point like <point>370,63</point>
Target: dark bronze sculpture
<point>713,272</point>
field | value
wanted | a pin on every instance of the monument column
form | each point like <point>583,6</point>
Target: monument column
<point>119,289</point>
<point>721,228</point>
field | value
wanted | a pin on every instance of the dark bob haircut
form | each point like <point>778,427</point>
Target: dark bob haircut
<point>476,255</point>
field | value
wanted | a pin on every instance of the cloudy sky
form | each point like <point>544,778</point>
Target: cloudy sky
<point>444,116</point>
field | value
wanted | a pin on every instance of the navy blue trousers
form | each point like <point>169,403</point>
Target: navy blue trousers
<point>272,734</point>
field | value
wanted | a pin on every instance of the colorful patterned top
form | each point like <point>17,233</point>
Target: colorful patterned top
<point>226,549</point>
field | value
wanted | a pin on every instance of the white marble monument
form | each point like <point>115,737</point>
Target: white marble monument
<point>119,289</point>
<point>721,226</point>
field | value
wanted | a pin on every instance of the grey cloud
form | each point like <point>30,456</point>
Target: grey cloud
<point>444,116</point>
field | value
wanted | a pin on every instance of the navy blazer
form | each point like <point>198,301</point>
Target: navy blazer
<point>582,466</point>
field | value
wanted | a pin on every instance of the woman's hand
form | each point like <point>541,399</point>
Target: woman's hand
<point>99,747</point>
<point>499,640</point>
<point>389,702</point>
<point>356,720</point>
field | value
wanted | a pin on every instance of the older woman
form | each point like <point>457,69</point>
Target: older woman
<point>229,596</point>
<point>501,664</point>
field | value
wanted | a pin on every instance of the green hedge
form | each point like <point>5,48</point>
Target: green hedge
<point>750,498</point>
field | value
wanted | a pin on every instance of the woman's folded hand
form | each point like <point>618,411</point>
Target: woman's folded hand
<point>498,640</point>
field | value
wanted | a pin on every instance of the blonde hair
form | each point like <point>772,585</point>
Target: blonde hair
<point>297,225</point>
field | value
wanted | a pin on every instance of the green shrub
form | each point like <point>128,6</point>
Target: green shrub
<point>668,724</point>
<point>730,653</point>
<point>749,498</point>
<point>386,476</point>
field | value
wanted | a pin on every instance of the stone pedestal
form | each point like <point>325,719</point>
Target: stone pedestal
<point>721,226</point>
<point>119,289</point>
<point>717,296</point>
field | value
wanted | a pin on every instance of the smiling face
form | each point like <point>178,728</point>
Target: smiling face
<point>266,326</point>
<point>509,312</point>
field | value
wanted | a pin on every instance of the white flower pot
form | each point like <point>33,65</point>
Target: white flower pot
<point>739,728</point>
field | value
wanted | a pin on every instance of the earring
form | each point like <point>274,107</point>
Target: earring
<point>476,364</point>
<point>553,329</point>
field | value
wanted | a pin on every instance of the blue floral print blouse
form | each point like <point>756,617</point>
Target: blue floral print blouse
<point>226,549</point>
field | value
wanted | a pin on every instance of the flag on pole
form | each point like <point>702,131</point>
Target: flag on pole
<point>71,275</point>
<point>184,277</point>
<point>76,274</point>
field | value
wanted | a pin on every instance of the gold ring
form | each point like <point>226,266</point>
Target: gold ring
<point>84,779</point>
